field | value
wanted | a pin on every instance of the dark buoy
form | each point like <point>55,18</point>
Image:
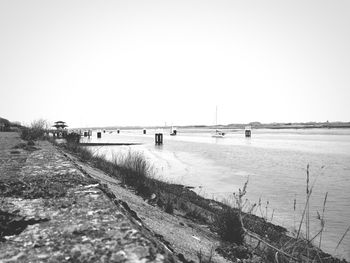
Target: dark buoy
<point>144,131</point>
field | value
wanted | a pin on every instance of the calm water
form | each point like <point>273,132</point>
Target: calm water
<point>275,162</point>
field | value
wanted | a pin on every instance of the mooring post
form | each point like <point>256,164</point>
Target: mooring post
<point>144,131</point>
<point>248,131</point>
<point>118,131</point>
<point>99,134</point>
<point>159,138</point>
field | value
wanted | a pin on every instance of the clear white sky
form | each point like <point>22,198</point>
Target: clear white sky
<point>93,63</point>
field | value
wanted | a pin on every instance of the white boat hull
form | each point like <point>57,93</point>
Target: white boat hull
<point>217,135</point>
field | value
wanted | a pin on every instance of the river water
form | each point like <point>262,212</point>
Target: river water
<point>275,163</point>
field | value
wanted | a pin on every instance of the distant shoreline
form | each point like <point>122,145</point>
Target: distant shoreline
<point>302,127</point>
<point>273,126</point>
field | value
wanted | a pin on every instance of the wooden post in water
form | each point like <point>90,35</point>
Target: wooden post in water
<point>144,131</point>
<point>158,138</point>
<point>248,131</point>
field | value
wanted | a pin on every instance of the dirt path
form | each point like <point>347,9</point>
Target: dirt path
<point>50,211</point>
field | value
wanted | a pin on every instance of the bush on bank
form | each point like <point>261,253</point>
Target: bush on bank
<point>36,130</point>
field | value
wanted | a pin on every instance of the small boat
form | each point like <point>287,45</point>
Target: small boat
<point>218,133</point>
<point>173,131</point>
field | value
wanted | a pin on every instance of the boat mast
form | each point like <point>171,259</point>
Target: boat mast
<point>216,117</point>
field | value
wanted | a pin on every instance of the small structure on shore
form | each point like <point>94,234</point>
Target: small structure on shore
<point>248,131</point>
<point>61,129</point>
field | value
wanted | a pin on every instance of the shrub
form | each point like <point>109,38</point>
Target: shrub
<point>143,190</point>
<point>134,169</point>
<point>196,213</point>
<point>73,137</point>
<point>36,130</point>
<point>229,226</point>
<point>169,208</point>
<point>30,134</point>
<point>30,143</point>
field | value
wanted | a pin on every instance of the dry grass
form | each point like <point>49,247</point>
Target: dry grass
<point>281,248</point>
